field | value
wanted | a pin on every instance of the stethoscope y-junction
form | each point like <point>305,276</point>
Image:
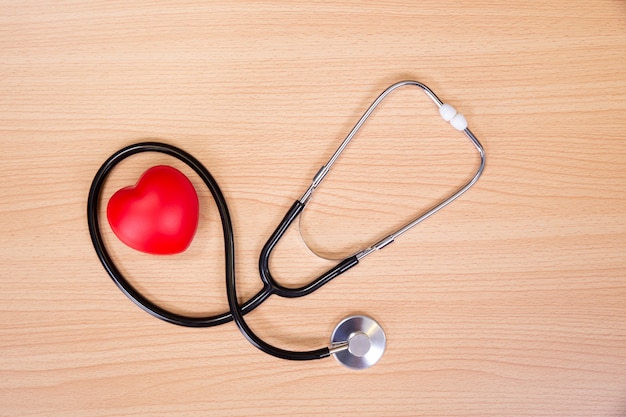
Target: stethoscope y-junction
<point>357,341</point>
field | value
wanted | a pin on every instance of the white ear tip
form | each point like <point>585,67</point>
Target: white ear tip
<point>447,112</point>
<point>458,122</point>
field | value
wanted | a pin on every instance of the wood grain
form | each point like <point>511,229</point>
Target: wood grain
<point>510,302</point>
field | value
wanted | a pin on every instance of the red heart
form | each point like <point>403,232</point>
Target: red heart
<point>159,215</point>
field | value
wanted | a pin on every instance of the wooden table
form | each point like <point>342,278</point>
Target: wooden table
<point>510,302</point>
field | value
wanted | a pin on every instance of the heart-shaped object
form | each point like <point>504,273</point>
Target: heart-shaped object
<point>159,215</point>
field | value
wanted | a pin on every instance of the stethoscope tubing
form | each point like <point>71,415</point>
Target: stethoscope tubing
<point>93,204</point>
<point>236,312</point>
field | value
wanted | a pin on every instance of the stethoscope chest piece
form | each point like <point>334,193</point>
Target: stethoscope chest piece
<point>360,340</point>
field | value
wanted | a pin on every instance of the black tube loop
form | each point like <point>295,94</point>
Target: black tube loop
<point>237,311</point>
<point>93,203</point>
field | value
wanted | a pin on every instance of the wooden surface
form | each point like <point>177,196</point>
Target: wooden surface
<point>510,302</point>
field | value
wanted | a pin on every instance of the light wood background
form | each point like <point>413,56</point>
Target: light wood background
<point>510,302</point>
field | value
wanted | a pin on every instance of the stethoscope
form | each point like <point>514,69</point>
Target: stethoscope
<point>357,342</point>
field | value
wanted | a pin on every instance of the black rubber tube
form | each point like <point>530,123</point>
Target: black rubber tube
<point>236,311</point>
<point>93,203</point>
<point>264,259</point>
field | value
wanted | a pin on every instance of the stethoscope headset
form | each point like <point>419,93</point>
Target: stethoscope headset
<point>358,341</point>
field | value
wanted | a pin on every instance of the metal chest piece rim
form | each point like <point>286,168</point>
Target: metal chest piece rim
<point>364,339</point>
